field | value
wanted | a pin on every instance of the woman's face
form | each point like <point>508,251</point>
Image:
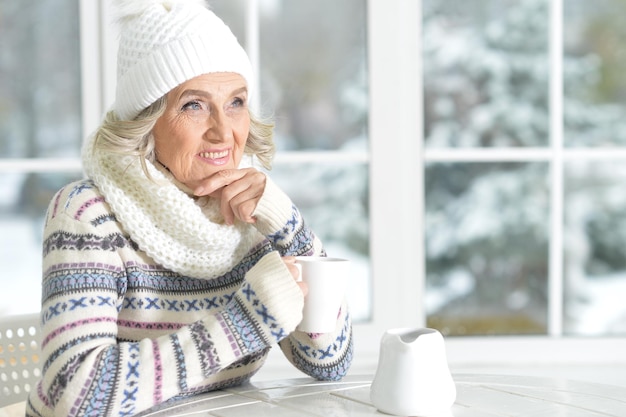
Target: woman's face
<point>204,127</point>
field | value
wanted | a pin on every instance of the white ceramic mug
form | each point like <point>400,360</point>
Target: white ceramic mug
<point>327,279</point>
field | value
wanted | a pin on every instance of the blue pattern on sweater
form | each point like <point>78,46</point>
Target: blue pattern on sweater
<point>248,335</point>
<point>180,362</point>
<point>97,397</point>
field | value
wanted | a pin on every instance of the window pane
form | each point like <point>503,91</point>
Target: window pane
<point>486,248</point>
<point>594,66</point>
<point>23,202</point>
<point>313,72</point>
<point>486,73</point>
<point>595,238</point>
<point>39,79</point>
<point>334,202</point>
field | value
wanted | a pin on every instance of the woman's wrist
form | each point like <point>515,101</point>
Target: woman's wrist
<point>269,298</point>
<point>274,210</point>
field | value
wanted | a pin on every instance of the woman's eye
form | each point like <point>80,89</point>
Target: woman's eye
<point>238,102</point>
<point>192,105</point>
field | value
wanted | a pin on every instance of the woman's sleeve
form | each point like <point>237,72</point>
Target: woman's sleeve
<point>88,371</point>
<point>325,356</point>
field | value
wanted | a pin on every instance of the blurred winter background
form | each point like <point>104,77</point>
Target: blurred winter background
<point>486,81</point>
<point>486,84</point>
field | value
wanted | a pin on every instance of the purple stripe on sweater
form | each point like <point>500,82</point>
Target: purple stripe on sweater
<point>83,392</point>
<point>144,266</point>
<point>158,373</point>
<point>42,396</point>
<point>86,205</point>
<point>82,265</point>
<point>73,325</point>
<point>56,203</point>
<point>234,346</point>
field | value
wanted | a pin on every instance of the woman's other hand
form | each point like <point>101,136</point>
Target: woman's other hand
<point>290,262</point>
<point>239,192</point>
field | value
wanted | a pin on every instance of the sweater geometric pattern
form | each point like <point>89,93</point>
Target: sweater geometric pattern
<point>122,333</point>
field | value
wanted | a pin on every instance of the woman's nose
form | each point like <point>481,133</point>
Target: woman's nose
<point>219,127</point>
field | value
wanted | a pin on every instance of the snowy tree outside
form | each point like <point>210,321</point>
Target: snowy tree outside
<point>486,80</point>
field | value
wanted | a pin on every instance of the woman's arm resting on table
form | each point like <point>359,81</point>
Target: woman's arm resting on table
<point>88,370</point>
<point>324,356</point>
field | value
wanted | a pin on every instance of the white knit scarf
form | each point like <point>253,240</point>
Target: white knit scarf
<point>169,225</point>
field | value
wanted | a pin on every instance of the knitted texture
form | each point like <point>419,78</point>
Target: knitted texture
<point>122,333</point>
<point>164,221</point>
<point>164,43</point>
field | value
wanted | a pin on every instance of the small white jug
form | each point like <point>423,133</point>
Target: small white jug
<point>413,378</point>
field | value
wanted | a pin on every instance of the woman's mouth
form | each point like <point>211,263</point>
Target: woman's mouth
<point>215,157</point>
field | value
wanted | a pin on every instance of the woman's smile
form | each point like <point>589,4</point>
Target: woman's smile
<point>215,157</point>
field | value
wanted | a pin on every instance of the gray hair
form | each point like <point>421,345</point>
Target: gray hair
<point>134,137</point>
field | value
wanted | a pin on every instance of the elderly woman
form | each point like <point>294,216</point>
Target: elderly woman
<point>169,270</point>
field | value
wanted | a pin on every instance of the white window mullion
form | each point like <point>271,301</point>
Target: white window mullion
<point>90,64</point>
<point>40,165</point>
<point>555,287</point>
<point>253,48</point>
<point>396,168</point>
<point>487,154</point>
<point>109,35</point>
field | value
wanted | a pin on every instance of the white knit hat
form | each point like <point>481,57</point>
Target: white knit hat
<point>164,43</point>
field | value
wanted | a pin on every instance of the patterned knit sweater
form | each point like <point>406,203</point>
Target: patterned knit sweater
<point>122,333</point>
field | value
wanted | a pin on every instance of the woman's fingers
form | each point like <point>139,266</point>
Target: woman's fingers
<point>239,192</point>
<point>218,180</point>
<point>303,287</point>
<point>290,262</point>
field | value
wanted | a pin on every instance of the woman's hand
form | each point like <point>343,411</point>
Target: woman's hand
<point>290,262</point>
<point>239,192</point>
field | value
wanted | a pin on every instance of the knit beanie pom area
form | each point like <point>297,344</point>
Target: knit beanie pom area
<point>127,10</point>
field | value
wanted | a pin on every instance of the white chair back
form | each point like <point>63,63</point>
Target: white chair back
<point>20,356</point>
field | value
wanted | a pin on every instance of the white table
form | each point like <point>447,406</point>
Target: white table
<point>477,395</point>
